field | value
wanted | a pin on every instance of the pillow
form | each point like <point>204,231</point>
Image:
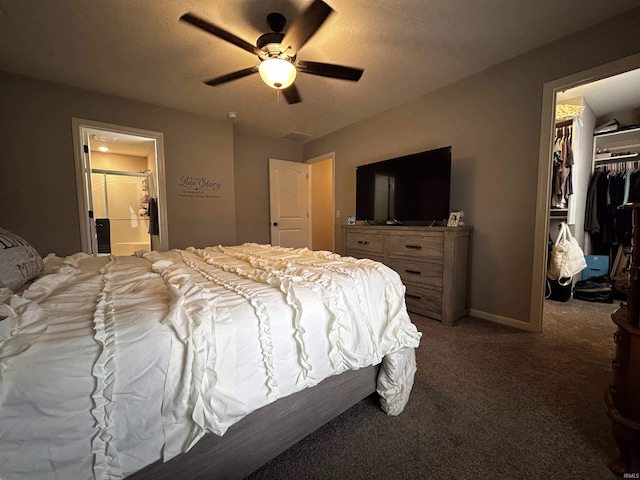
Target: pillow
<point>19,261</point>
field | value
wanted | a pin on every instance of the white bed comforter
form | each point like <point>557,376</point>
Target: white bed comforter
<point>115,362</point>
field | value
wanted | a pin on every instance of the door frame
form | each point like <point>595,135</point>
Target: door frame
<point>321,158</point>
<point>80,127</point>
<point>547,124</point>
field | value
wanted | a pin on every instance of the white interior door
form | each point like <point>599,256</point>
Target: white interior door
<point>289,203</point>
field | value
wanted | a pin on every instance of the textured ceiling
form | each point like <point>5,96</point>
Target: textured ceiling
<point>138,49</point>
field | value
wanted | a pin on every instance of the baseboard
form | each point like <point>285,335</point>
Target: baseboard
<point>510,322</point>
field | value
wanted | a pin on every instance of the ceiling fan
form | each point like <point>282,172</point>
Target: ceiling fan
<point>277,51</point>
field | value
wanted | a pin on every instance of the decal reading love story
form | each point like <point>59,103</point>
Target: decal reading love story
<point>198,187</point>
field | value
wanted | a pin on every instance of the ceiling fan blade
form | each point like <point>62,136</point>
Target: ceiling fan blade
<point>232,76</point>
<point>220,33</point>
<point>303,27</point>
<point>330,70</point>
<point>291,94</point>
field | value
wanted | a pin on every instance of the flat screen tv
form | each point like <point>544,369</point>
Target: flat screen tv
<point>409,190</point>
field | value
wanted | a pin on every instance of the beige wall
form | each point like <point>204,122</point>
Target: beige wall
<point>251,164</point>
<point>118,161</point>
<point>492,120</point>
<point>37,186</point>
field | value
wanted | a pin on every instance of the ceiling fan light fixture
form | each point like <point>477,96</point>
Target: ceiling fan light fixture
<point>277,73</point>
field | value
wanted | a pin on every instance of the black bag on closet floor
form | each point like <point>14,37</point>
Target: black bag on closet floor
<point>594,289</point>
<point>556,291</point>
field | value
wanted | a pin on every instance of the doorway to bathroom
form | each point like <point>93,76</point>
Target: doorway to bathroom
<point>120,180</point>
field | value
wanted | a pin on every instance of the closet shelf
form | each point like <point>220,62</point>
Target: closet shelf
<point>615,159</point>
<point>558,213</point>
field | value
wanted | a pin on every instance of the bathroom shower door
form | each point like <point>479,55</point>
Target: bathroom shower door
<point>120,202</point>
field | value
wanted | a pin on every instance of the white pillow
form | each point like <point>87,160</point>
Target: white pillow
<point>19,261</point>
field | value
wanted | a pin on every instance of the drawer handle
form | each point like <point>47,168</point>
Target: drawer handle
<point>415,272</point>
<point>410,295</point>
<point>363,242</point>
<point>414,247</point>
<point>616,337</point>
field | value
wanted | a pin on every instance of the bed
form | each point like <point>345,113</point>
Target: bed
<point>199,362</point>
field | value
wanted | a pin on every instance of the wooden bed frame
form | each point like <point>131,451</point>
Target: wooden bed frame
<point>267,432</point>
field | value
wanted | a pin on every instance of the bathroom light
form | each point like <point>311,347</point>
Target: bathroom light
<point>277,73</point>
<point>103,149</point>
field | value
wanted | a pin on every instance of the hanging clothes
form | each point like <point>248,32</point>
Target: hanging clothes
<point>609,187</point>
<point>556,182</point>
<point>154,227</point>
<point>562,181</point>
<point>567,163</point>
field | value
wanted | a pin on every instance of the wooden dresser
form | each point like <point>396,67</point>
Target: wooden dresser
<point>433,263</point>
<point>623,396</point>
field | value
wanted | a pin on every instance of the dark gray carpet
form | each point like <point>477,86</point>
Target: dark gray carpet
<point>489,402</point>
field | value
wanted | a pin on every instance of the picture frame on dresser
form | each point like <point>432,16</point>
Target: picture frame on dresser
<point>454,219</point>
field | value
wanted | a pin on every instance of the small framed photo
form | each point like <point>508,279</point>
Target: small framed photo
<point>454,219</point>
<point>351,220</point>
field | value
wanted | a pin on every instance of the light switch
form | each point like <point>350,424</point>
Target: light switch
<point>337,213</point>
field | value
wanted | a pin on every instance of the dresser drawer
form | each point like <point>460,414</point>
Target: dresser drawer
<point>365,242</point>
<point>424,301</point>
<point>421,273</point>
<point>418,246</point>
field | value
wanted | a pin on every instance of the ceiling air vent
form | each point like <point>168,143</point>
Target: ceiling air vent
<point>297,136</point>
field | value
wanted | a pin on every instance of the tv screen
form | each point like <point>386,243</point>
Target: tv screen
<point>410,190</point>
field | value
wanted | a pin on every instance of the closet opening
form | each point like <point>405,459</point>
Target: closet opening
<point>584,116</point>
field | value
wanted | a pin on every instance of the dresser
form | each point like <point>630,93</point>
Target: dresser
<point>623,395</point>
<point>433,263</point>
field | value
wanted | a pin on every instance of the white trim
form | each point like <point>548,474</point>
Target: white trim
<point>509,322</point>
<point>78,157</point>
<point>79,125</point>
<point>547,122</point>
<point>309,204</point>
<point>162,193</point>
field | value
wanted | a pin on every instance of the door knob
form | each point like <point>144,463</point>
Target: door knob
<point>275,224</point>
